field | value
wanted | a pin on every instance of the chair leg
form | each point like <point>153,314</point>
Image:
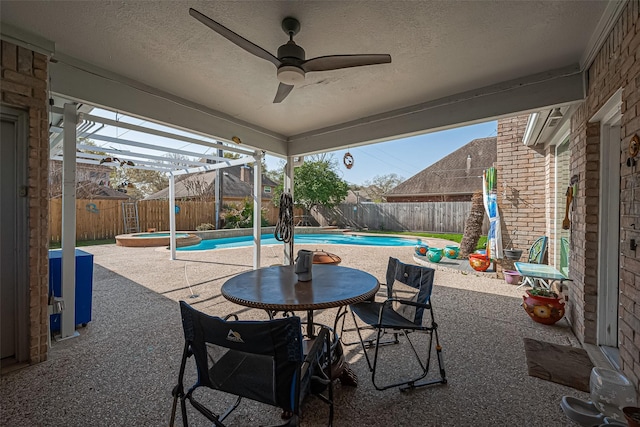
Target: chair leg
<point>178,390</point>
<point>418,381</point>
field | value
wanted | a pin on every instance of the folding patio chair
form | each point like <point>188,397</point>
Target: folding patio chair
<point>401,314</point>
<point>259,360</point>
<point>537,251</point>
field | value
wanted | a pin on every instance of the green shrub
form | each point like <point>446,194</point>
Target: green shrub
<point>205,226</point>
<point>241,216</point>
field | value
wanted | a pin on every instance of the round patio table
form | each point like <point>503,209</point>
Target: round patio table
<point>277,288</point>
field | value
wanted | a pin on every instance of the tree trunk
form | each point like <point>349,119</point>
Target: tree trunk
<point>473,227</point>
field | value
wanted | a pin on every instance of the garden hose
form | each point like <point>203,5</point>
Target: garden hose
<point>284,226</point>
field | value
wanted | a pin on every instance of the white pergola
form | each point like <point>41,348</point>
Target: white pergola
<point>74,124</point>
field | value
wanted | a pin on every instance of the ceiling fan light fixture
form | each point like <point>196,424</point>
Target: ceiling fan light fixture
<point>290,75</point>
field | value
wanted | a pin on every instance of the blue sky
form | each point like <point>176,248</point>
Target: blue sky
<point>404,157</point>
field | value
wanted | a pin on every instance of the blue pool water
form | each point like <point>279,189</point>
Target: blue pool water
<point>309,239</point>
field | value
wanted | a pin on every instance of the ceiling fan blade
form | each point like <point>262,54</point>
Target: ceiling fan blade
<point>335,62</point>
<point>283,91</point>
<point>235,38</point>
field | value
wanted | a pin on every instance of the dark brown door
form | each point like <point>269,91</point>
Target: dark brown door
<point>14,306</point>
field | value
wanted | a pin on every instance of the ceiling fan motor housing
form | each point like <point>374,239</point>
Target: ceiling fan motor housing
<point>290,74</point>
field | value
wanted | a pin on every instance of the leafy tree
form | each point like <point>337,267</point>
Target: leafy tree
<point>316,183</point>
<point>138,183</point>
<point>241,216</point>
<point>381,185</point>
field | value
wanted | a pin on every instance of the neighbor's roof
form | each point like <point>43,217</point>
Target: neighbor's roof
<point>450,175</point>
<point>92,190</point>
<point>202,183</point>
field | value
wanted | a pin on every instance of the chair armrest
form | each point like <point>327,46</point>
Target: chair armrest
<point>389,301</point>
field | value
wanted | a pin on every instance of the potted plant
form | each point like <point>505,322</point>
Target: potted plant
<point>543,305</point>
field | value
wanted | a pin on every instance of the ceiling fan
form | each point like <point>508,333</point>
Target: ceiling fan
<point>290,62</point>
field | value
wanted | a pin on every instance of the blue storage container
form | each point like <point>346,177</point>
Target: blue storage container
<point>84,285</point>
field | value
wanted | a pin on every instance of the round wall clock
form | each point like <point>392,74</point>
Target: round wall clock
<point>348,160</point>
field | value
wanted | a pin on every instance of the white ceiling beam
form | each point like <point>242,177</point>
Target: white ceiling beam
<point>87,83</point>
<point>519,96</point>
<point>136,161</point>
<point>137,144</point>
<point>163,134</point>
<point>137,157</point>
<point>97,162</point>
<point>222,165</point>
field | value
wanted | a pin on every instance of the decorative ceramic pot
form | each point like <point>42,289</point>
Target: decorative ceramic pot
<point>543,309</point>
<point>435,254</point>
<point>511,277</point>
<point>451,251</point>
<point>479,262</point>
<point>421,249</point>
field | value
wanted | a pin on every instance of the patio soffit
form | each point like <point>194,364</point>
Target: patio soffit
<point>453,63</point>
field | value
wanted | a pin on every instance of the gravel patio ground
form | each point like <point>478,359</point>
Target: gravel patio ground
<point>122,368</point>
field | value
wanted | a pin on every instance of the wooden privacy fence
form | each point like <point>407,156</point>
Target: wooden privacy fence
<point>102,219</point>
<point>439,217</point>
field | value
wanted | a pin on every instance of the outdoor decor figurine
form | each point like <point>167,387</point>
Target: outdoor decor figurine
<point>543,306</point>
<point>421,249</point>
<point>451,251</point>
<point>435,254</point>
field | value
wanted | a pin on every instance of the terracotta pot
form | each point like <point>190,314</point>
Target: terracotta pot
<point>545,310</point>
<point>323,257</point>
<point>479,262</point>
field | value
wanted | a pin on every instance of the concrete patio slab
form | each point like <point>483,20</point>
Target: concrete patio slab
<point>122,368</point>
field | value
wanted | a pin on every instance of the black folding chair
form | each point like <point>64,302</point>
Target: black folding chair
<point>402,313</point>
<point>260,360</point>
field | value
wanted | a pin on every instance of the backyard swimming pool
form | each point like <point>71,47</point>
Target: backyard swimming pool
<point>303,239</point>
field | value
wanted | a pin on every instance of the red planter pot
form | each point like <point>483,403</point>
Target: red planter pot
<point>479,262</point>
<point>545,310</point>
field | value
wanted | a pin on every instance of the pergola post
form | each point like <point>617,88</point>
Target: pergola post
<point>68,314</point>
<point>257,209</point>
<point>172,215</point>
<point>218,193</point>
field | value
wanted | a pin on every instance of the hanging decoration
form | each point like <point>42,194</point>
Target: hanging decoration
<point>348,160</point>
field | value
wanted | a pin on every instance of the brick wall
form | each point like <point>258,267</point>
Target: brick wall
<point>617,65</point>
<point>522,187</point>
<point>24,86</point>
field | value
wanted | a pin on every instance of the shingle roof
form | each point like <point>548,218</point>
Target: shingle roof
<point>202,183</point>
<point>91,190</point>
<point>450,174</point>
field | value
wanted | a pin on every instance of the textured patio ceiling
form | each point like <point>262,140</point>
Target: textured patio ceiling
<point>453,63</point>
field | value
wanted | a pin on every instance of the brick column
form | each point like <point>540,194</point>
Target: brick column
<point>24,86</point>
